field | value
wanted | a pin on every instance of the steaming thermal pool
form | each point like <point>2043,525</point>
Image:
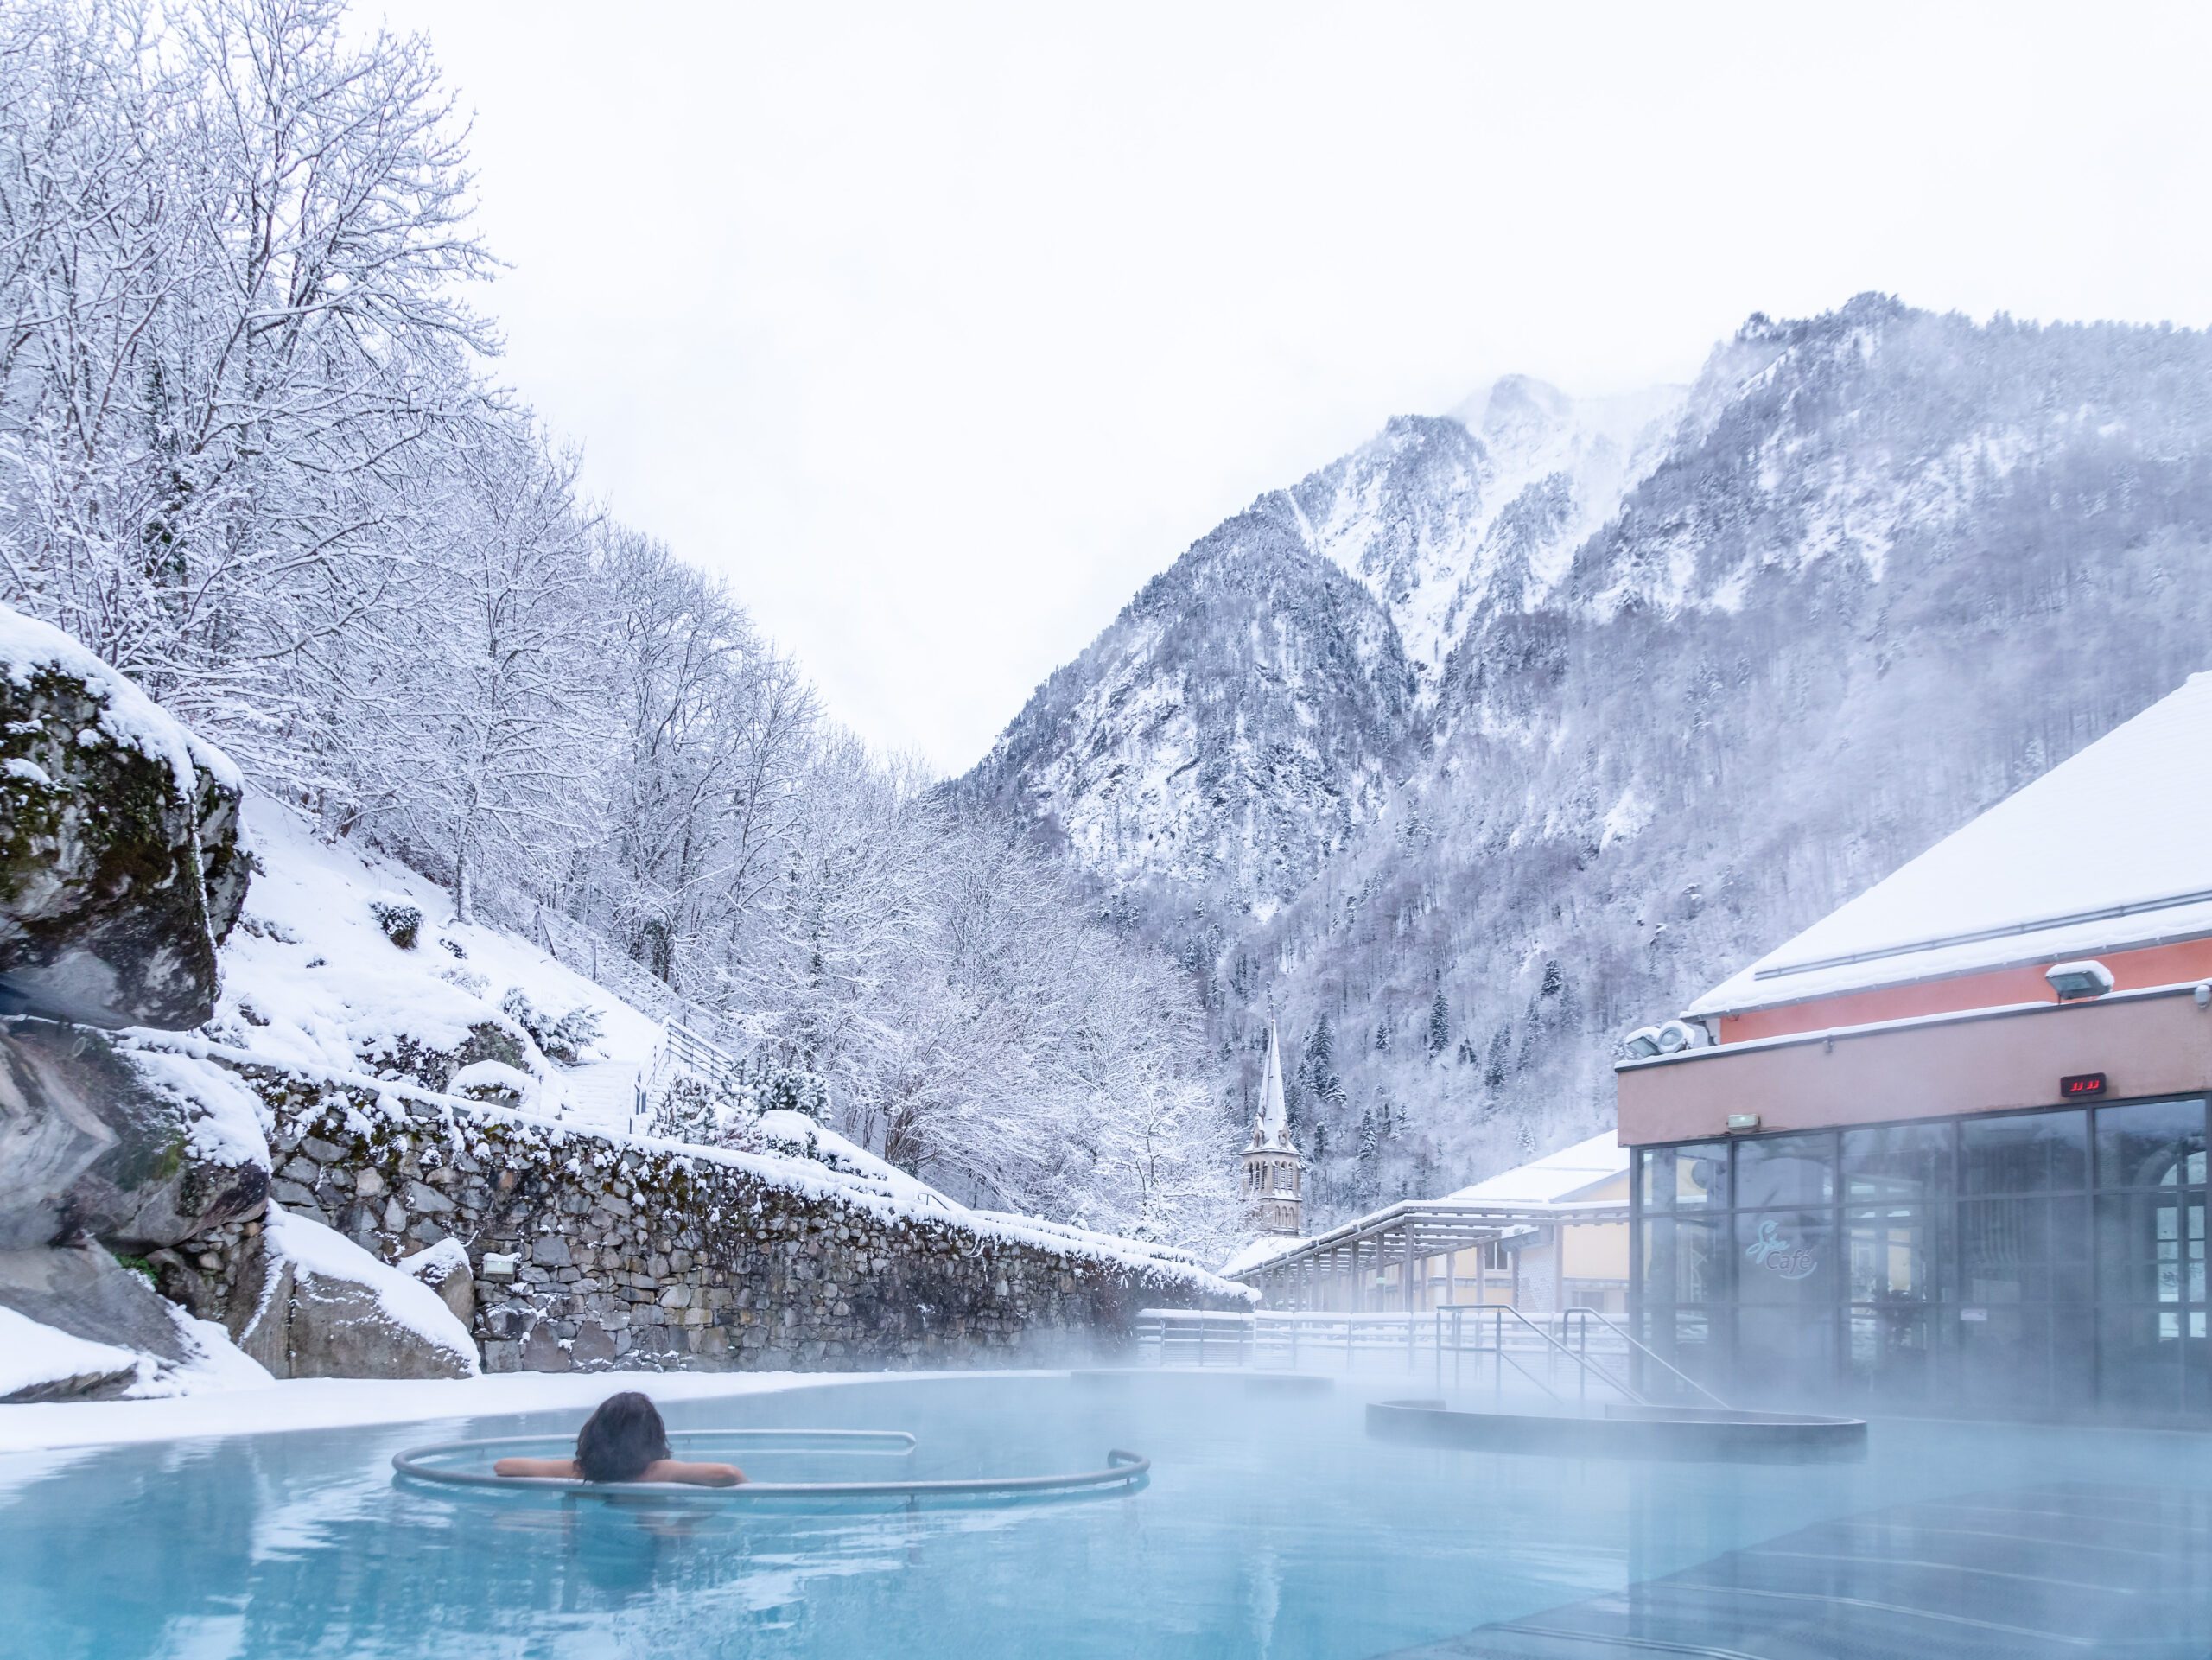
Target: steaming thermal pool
<point>1271,1524</point>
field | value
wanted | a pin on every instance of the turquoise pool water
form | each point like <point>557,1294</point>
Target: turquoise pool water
<point>1271,1525</point>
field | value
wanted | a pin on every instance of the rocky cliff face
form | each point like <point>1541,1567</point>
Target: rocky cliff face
<point>1717,660</point>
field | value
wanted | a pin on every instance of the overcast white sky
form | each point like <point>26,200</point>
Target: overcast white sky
<point>941,328</point>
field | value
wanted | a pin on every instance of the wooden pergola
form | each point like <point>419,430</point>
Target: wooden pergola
<point>1334,1270</point>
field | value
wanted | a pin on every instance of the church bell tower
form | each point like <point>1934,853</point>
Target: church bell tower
<point>1274,1174</point>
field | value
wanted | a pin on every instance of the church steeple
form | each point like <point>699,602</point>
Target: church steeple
<point>1274,1174</point>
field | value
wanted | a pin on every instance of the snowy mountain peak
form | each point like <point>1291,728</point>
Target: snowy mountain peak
<point>1515,726</point>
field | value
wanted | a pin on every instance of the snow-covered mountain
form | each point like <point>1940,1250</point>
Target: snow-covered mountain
<point>1235,728</point>
<point>1521,725</point>
<point>1442,518</point>
<point>1232,729</point>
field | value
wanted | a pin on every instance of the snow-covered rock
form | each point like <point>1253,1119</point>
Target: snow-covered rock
<point>313,1304</point>
<point>444,1268</point>
<point>75,1324</point>
<point>40,1363</point>
<point>494,1082</point>
<point>120,871</point>
<point>141,1150</point>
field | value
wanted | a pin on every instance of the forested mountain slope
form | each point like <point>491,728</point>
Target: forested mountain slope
<point>1735,655</point>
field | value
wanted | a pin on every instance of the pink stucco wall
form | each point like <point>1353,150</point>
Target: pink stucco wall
<point>2145,1045</point>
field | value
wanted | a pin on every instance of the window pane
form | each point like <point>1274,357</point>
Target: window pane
<point>2023,1153</point>
<point>1892,1255</point>
<point>1785,1256</point>
<point>1687,1338</point>
<point>1785,1356</point>
<point>1701,1176</point>
<point>1681,1260</point>
<point>2023,1251</point>
<point>2142,1356</point>
<point>1891,1351</point>
<point>2150,1142</point>
<point>2005,1356</point>
<point>1904,1162</point>
<point>2151,1246</point>
<point>1785,1170</point>
<point>1655,1178</point>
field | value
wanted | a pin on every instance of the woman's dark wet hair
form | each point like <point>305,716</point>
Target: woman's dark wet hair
<point>620,1439</point>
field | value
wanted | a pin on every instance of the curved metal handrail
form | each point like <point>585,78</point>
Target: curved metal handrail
<point>1122,1469</point>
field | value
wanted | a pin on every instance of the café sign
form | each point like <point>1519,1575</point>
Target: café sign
<point>1785,1258</point>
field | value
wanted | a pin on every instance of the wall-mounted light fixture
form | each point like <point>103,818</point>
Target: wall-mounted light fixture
<point>2074,982</point>
<point>1742,1121</point>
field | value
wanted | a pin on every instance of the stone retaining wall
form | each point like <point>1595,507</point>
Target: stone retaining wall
<point>643,1256</point>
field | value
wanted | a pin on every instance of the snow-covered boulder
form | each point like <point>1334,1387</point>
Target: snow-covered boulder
<point>141,1150</point>
<point>494,1084</point>
<point>84,1293</point>
<point>444,1268</point>
<point>77,1325</point>
<point>400,919</point>
<point>311,1303</point>
<point>120,866</point>
<point>40,1363</point>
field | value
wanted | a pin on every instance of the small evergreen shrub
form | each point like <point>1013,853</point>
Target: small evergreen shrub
<point>565,1038</point>
<point>402,923</point>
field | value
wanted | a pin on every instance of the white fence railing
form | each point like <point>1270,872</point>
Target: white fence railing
<point>1577,1353</point>
<point>679,1051</point>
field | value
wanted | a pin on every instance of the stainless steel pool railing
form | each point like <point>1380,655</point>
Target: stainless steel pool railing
<point>1639,1354</point>
<point>1513,1339</point>
<point>1122,1470</point>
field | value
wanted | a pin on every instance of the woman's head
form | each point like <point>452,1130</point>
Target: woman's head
<point>620,1439</point>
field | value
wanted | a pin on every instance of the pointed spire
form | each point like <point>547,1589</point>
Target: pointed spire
<point>1274,1122</point>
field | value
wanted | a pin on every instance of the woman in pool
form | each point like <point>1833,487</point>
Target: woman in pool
<point>624,1441</point>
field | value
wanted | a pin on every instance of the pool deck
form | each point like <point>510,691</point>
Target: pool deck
<point>2066,1570</point>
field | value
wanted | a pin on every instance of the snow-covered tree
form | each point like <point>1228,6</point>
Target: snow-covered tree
<point>250,451</point>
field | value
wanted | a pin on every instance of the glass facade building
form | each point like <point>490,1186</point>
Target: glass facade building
<point>2017,1263</point>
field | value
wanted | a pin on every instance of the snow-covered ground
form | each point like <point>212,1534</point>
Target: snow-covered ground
<point>310,980</point>
<point>338,1403</point>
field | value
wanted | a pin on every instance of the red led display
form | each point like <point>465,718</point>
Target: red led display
<point>2080,1085</point>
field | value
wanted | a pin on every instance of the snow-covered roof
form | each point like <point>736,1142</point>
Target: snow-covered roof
<point>1555,1179</point>
<point>1565,1182</point>
<point>2107,851</point>
<point>1261,1248</point>
<point>1275,1122</point>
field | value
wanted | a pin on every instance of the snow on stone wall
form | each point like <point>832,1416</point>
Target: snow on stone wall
<point>589,1251</point>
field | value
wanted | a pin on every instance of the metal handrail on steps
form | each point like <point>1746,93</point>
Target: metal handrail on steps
<point>1585,1367</point>
<point>1582,1317</point>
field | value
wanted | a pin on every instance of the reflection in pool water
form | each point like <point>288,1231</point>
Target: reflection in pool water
<point>1272,1526</point>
